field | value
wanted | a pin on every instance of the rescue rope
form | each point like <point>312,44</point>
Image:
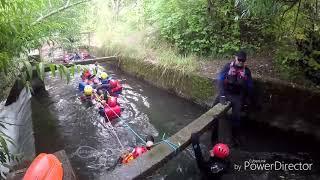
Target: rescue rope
<point>126,124</point>
<point>112,129</point>
<point>163,140</point>
<point>172,145</point>
<point>115,134</point>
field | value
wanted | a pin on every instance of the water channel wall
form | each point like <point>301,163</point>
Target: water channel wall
<point>16,117</point>
<point>276,103</point>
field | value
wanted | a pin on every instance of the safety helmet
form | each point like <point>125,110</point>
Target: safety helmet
<point>112,101</point>
<point>220,150</point>
<point>113,83</point>
<point>149,142</point>
<point>104,75</point>
<point>88,90</point>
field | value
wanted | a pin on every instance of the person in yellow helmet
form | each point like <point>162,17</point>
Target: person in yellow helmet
<point>104,78</point>
<point>87,94</point>
<point>88,90</point>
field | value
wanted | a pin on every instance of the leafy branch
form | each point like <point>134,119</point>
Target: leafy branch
<point>66,6</point>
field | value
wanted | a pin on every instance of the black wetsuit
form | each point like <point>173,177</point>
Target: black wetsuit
<point>214,168</point>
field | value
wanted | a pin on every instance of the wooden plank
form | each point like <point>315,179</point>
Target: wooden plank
<point>92,61</point>
<point>68,173</point>
<point>17,175</point>
<point>161,153</point>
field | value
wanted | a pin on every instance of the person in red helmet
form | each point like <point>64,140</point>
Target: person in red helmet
<point>218,163</point>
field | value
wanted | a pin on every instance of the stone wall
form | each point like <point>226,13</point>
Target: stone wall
<point>16,117</point>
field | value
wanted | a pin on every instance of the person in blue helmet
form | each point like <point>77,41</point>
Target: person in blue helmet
<point>235,85</point>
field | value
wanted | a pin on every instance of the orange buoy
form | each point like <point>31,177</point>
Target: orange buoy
<point>44,167</point>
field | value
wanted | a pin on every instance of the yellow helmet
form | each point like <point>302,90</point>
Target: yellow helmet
<point>104,75</point>
<point>88,90</point>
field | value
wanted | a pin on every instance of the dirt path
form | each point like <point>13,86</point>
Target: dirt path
<point>260,67</point>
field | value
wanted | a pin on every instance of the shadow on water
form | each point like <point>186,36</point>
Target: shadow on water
<point>45,125</point>
<point>259,143</point>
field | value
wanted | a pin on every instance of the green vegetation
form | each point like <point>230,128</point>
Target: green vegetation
<point>26,25</point>
<point>174,34</point>
<point>190,86</point>
<point>207,29</point>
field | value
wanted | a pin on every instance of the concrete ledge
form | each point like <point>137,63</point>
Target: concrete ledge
<point>161,153</point>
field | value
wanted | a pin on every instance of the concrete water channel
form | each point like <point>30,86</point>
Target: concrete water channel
<point>60,121</point>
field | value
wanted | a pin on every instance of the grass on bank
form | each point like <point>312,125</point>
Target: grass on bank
<point>164,56</point>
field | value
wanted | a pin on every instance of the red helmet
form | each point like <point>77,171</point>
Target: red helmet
<point>112,101</point>
<point>113,83</point>
<point>220,150</point>
<point>138,151</point>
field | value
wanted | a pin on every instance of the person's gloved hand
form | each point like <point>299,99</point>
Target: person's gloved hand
<point>195,137</point>
<point>223,99</point>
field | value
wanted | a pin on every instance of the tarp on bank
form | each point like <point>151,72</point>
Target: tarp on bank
<point>17,119</point>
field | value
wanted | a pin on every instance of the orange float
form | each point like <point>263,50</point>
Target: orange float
<point>44,167</point>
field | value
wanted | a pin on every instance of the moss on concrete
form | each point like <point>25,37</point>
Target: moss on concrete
<point>274,102</point>
<point>190,86</point>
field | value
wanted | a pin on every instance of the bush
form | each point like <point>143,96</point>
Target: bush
<point>188,25</point>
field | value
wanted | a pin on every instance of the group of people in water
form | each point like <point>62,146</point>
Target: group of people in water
<point>235,85</point>
<point>102,91</point>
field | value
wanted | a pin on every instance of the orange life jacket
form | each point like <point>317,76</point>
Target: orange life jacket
<point>129,157</point>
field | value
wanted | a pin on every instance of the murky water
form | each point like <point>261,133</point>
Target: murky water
<point>63,122</point>
<point>258,143</point>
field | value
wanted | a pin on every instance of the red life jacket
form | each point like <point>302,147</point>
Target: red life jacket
<point>86,75</point>
<point>235,79</point>
<point>112,112</point>
<point>138,151</point>
<point>238,72</point>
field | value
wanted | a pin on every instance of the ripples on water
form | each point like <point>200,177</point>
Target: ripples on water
<point>92,148</point>
<point>65,123</point>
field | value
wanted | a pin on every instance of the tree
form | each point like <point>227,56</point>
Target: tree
<point>26,25</point>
